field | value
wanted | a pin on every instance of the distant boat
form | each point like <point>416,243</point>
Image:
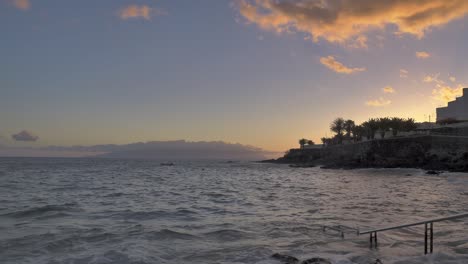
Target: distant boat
<point>166,164</point>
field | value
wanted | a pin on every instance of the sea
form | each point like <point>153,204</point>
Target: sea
<point>87,210</point>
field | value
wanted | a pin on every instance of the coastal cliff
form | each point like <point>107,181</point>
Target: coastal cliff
<point>430,152</point>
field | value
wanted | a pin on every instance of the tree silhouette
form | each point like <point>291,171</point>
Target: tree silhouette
<point>384,125</point>
<point>337,126</point>
<point>348,127</point>
<point>358,132</point>
<point>396,124</point>
<point>302,142</point>
<point>409,124</point>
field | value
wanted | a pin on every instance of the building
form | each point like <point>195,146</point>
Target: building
<point>457,109</point>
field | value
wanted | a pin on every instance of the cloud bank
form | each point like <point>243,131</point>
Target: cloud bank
<point>334,65</point>
<point>24,136</point>
<point>347,21</point>
<point>160,150</point>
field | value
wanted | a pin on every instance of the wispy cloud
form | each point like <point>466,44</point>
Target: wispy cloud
<point>422,55</point>
<point>378,102</point>
<point>432,78</point>
<point>346,21</point>
<point>22,4</point>
<point>139,12</point>
<point>331,63</point>
<point>359,42</point>
<point>403,73</point>
<point>388,89</point>
<point>24,136</point>
<point>452,79</point>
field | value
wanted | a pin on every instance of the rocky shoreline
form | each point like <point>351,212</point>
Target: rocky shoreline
<point>428,152</point>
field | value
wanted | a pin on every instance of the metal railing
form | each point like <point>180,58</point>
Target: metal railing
<point>428,231</point>
<point>340,229</point>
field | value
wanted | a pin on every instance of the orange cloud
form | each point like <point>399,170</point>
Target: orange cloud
<point>388,89</point>
<point>22,4</point>
<point>135,11</point>
<point>345,21</point>
<point>378,102</point>
<point>422,55</point>
<point>331,63</point>
<point>446,93</point>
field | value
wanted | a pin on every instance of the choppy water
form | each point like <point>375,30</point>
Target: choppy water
<point>129,211</point>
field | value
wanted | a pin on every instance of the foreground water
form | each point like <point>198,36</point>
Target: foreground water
<point>130,211</point>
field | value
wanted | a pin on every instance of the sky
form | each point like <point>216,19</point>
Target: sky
<point>263,72</point>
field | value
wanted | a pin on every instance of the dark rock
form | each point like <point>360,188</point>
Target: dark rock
<point>432,172</point>
<point>316,261</point>
<point>269,161</point>
<point>285,258</point>
<point>306,165</point>
<point>437,153</point>
<point>465,156</point>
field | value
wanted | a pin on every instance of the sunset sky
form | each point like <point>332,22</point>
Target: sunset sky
<point>260,72</point>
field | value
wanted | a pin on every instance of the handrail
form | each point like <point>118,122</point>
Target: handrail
<point>340,229</point>
<point>428,231</point>
<point>416,223</point>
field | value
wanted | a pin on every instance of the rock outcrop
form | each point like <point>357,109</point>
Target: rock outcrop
<point>426,152</point>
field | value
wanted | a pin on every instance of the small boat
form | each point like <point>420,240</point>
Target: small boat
<point>166,164</point>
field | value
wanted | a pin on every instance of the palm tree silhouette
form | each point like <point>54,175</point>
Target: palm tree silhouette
<point>337,126</point>
<point>302,142</point>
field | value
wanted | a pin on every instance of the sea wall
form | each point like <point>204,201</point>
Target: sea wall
<point>428,152</point>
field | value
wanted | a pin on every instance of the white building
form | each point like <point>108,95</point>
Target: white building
<point>457,109</point>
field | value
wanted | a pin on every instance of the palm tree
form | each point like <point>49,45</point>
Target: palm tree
<point>337,126</point>
<point>409,124</point>
<point>358,132</point>
<point>396,124</point>
<point>326,141</point>
<point>348,127</point>
<point>302,142</point>
<point>366,129</point>
<point>370,127</point>
<point>384,125</point>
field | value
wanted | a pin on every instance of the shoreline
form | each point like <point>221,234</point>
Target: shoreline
<point>431,153</point>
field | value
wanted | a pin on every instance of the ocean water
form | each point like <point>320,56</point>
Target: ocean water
<point>136,211</point>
